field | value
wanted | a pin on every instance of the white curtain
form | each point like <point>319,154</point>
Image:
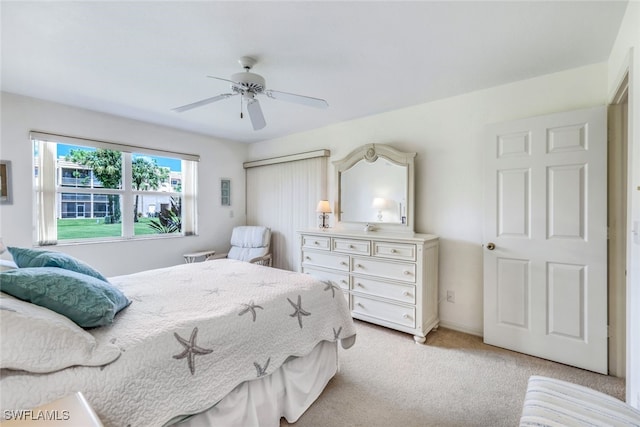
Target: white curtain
<point>189,199</point>
<point>46,194</point>
<point>284,197</point>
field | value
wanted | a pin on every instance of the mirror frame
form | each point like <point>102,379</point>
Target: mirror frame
<point>370,153</point>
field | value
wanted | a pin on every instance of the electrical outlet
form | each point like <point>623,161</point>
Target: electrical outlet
<point>451,296</point>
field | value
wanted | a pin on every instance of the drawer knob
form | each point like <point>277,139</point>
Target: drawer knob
<point>307,257</point>
<point>406,293</point>
<point>393,251</point>
<point>406,316</point>
<point>351,246</point>
<point>407,273</point>
<point>359,285</point>
<point>344,263</point>
<point>359,266</point>
<point>316,243</point>
<point>344,281</point>
<point>359,304</point>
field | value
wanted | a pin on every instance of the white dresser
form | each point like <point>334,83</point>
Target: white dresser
<point>388,279</point>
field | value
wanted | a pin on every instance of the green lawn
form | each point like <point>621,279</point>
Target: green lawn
<point>93,228</point>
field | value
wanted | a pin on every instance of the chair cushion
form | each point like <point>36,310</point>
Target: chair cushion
<point>250,236</point>
<point>246,254</point>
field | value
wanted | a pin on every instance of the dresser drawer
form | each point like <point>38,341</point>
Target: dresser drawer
<point>402,271</point>
<point>338,279</point>
<point>397,292</point>
<point>357,247</point>
<point>402,251</point>
<point>316,242</point>
<point>327,260</point>
<point>402,315</point>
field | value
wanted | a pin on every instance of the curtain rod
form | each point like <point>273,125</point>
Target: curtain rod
<point>285,159</point>
<point>52,137</point>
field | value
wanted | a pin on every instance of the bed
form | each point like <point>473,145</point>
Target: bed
<point>221,341</point>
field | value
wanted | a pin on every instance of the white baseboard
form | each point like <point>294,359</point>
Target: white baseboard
<point>461,328</point>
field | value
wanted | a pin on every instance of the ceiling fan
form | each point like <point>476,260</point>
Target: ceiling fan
<point>248,85</point>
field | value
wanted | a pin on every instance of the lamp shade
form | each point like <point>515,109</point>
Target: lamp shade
<point>379,203</point>
<point>323,206</point>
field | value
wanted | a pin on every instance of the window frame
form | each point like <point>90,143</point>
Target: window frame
<point>47,215</point>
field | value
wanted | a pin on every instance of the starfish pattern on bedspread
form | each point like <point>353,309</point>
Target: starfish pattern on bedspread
<point>260,370</point>
<point>336,334</point>
<point>235,274</point>
<point>215,291</point>
<point>299,311</point>
<point>159,312</point>
<point>190,349</point>
<point>251,307</point>
<point>137,298</point>
<point>330,286</point>
<point>264,284</point>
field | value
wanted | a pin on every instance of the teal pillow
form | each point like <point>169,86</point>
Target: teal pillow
<point>39,258</point>
<point>84,299</point>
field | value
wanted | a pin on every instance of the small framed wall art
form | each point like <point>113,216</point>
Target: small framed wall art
<point>225,192</point>
<point>5,182</point>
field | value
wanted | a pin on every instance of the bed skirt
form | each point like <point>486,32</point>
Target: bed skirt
<point>288,392</point>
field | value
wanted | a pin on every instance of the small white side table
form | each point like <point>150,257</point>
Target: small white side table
<point>193,256</point>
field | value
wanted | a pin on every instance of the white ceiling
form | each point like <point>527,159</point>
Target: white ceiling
<point>141,59</point>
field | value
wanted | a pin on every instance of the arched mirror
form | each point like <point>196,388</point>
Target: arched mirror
<point>375,186</point>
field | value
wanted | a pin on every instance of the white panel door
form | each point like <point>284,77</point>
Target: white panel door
<point>545,252</point>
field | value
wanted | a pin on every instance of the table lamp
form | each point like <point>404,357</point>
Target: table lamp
<point>324,209</point>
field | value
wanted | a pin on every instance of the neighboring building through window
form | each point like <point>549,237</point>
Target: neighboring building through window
<point>95,190</point>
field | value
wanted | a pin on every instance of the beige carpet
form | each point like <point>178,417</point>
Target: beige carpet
<point>452,380</point>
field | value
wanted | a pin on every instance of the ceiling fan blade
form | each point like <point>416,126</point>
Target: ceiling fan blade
<point>299,99</point>
<point>203,102</point>
<point>224,80</point>
<point>255,114</point>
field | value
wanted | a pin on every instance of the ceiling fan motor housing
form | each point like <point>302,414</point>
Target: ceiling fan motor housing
<point>248,81</point>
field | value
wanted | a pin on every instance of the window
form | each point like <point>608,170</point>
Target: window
<point>92,190</point>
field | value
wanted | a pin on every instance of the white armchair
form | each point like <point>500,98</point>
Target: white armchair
<point>251,244</point>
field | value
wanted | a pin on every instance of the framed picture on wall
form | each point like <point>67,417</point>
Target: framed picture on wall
<point>5,182</point>
<point>225,192</point>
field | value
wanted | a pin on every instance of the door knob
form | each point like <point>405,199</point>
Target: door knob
<point>491,246</point>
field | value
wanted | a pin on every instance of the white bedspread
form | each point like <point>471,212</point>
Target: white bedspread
<point>192,333</point>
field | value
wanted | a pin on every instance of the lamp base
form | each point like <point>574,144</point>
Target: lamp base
<point>325,221</point>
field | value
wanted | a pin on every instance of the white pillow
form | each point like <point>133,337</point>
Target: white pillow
<point>36,339</point>
<point>7,265</point>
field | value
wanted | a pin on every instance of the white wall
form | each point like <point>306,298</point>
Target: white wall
<point>447,135</point>
<point>218,159</point>
<point>625,54</point>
